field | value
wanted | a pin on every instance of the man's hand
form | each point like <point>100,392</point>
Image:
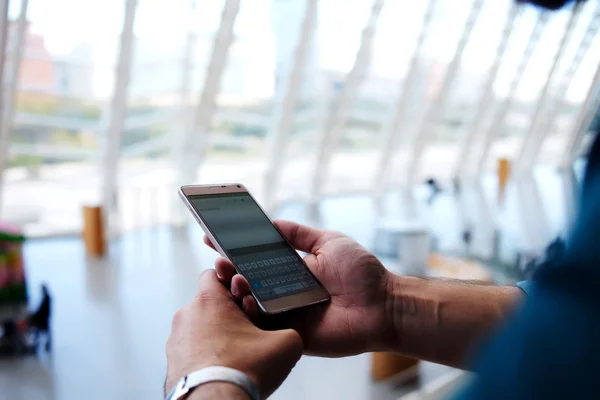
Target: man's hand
<point>358,317</point>
<point>372,309</point>
<point>213,331</point>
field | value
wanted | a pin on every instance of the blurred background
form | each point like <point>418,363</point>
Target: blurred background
<point>465,122</point>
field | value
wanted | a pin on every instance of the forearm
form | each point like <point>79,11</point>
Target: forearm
<point>218,390</point>
<point>443,320</point>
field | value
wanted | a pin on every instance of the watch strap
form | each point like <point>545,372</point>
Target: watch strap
<point>214,374</point>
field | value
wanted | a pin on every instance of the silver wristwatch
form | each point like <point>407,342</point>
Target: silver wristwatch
<point>213,374</point>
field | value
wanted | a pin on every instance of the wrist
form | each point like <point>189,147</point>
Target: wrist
<point>441,320</point>
<point>218,390</point>
<point>415,315</point>
<point>395,309</point>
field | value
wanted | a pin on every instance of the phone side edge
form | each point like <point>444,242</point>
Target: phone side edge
<point>281,310</point>
<point>198,219</point>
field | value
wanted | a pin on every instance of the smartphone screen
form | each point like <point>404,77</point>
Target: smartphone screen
<point>253,244</point>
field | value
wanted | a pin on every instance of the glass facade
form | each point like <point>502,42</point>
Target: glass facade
<point>297,99</point>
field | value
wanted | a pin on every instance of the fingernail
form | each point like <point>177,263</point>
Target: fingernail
<point>219,276</point>
<point>234,292</point>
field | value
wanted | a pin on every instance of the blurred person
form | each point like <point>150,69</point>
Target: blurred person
<point>537,340</point>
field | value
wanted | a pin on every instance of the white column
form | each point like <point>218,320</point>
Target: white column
<point>285,102</point>
<point>559,97</point>
<point>187,83</point>
<point>487,99</point>
<point>3,41</point>
<point>395,126</point>
<point>339,114</point>
<point>570,190</point>
<point>587,112</point>
<point>117,111</point>
<point>195,140</point>
<point>436,108</point>
<point>534,136</point>
<point>532,215</point>
<point>498,121</point>
<point>11,84</point>
<point>177,213</point>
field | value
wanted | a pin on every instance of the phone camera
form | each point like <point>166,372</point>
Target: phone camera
<point>239,186</point>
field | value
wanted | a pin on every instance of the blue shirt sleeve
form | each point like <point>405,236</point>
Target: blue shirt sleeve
<point>526,286</point>
<point>549,351</point>
<point>550,348</point>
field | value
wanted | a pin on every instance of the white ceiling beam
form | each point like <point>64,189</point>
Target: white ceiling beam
<point>488,97</point>
<point>285,103</point>
<point>436,107</point>
<point>187,85</point>
<point>337,120</point>
<point>8,93</point>
<point>581,127</point>
<point>111,154</point>
<point>533,137</point>
<point>395,127</point>
<point>497,124</point>
<point>558,100</point>
<point>3,41</point>
<point>195,140</point>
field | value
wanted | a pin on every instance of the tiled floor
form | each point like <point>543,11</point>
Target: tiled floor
<point>112,317</point>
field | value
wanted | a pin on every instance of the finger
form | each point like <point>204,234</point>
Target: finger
<point>250,308</point>
<point>210,288</point>
<point>214,297</point>
<point>302,237</point>
<point>225,270</point>
<point>239,287</point>
<point>208,242</point>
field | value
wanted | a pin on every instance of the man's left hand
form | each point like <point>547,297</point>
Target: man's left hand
<point>214,331</point>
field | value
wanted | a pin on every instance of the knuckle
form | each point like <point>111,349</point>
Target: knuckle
<point>204,296</point>
<point>203,275</point>
<point>178,318</point>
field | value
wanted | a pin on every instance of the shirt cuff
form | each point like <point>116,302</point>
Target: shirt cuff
<point>526,286</point>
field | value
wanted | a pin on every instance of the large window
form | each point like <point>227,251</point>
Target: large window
<point>65,78</point>
<point>400,109</point>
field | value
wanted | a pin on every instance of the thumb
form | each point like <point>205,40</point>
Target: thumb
<point>301,237</point>
<point>211,289</point>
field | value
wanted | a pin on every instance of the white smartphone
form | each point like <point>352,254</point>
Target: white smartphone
<point>241,231</point>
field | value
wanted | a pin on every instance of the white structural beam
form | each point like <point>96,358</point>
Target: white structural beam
<point>498,121</point>
<point>3,42</point>
<point>570,190</point>
<point>196,138</point>
<point>186,91</point>
<point>535,230</point>
<point>395,127</point>
<point>534,135</point>
<point>436,107</point>
<point>285,102</point>
<point>11,84</point>
<point>117,111</point>
<point>466,144</point>
<point>588,111</point>
<point>559,98</point>
<point>4,22</point>
<point>337,119</point>
<point>187,83</point>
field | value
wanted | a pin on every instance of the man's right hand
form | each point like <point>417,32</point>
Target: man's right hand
<point>372,309</point>
<point>358,318</point>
